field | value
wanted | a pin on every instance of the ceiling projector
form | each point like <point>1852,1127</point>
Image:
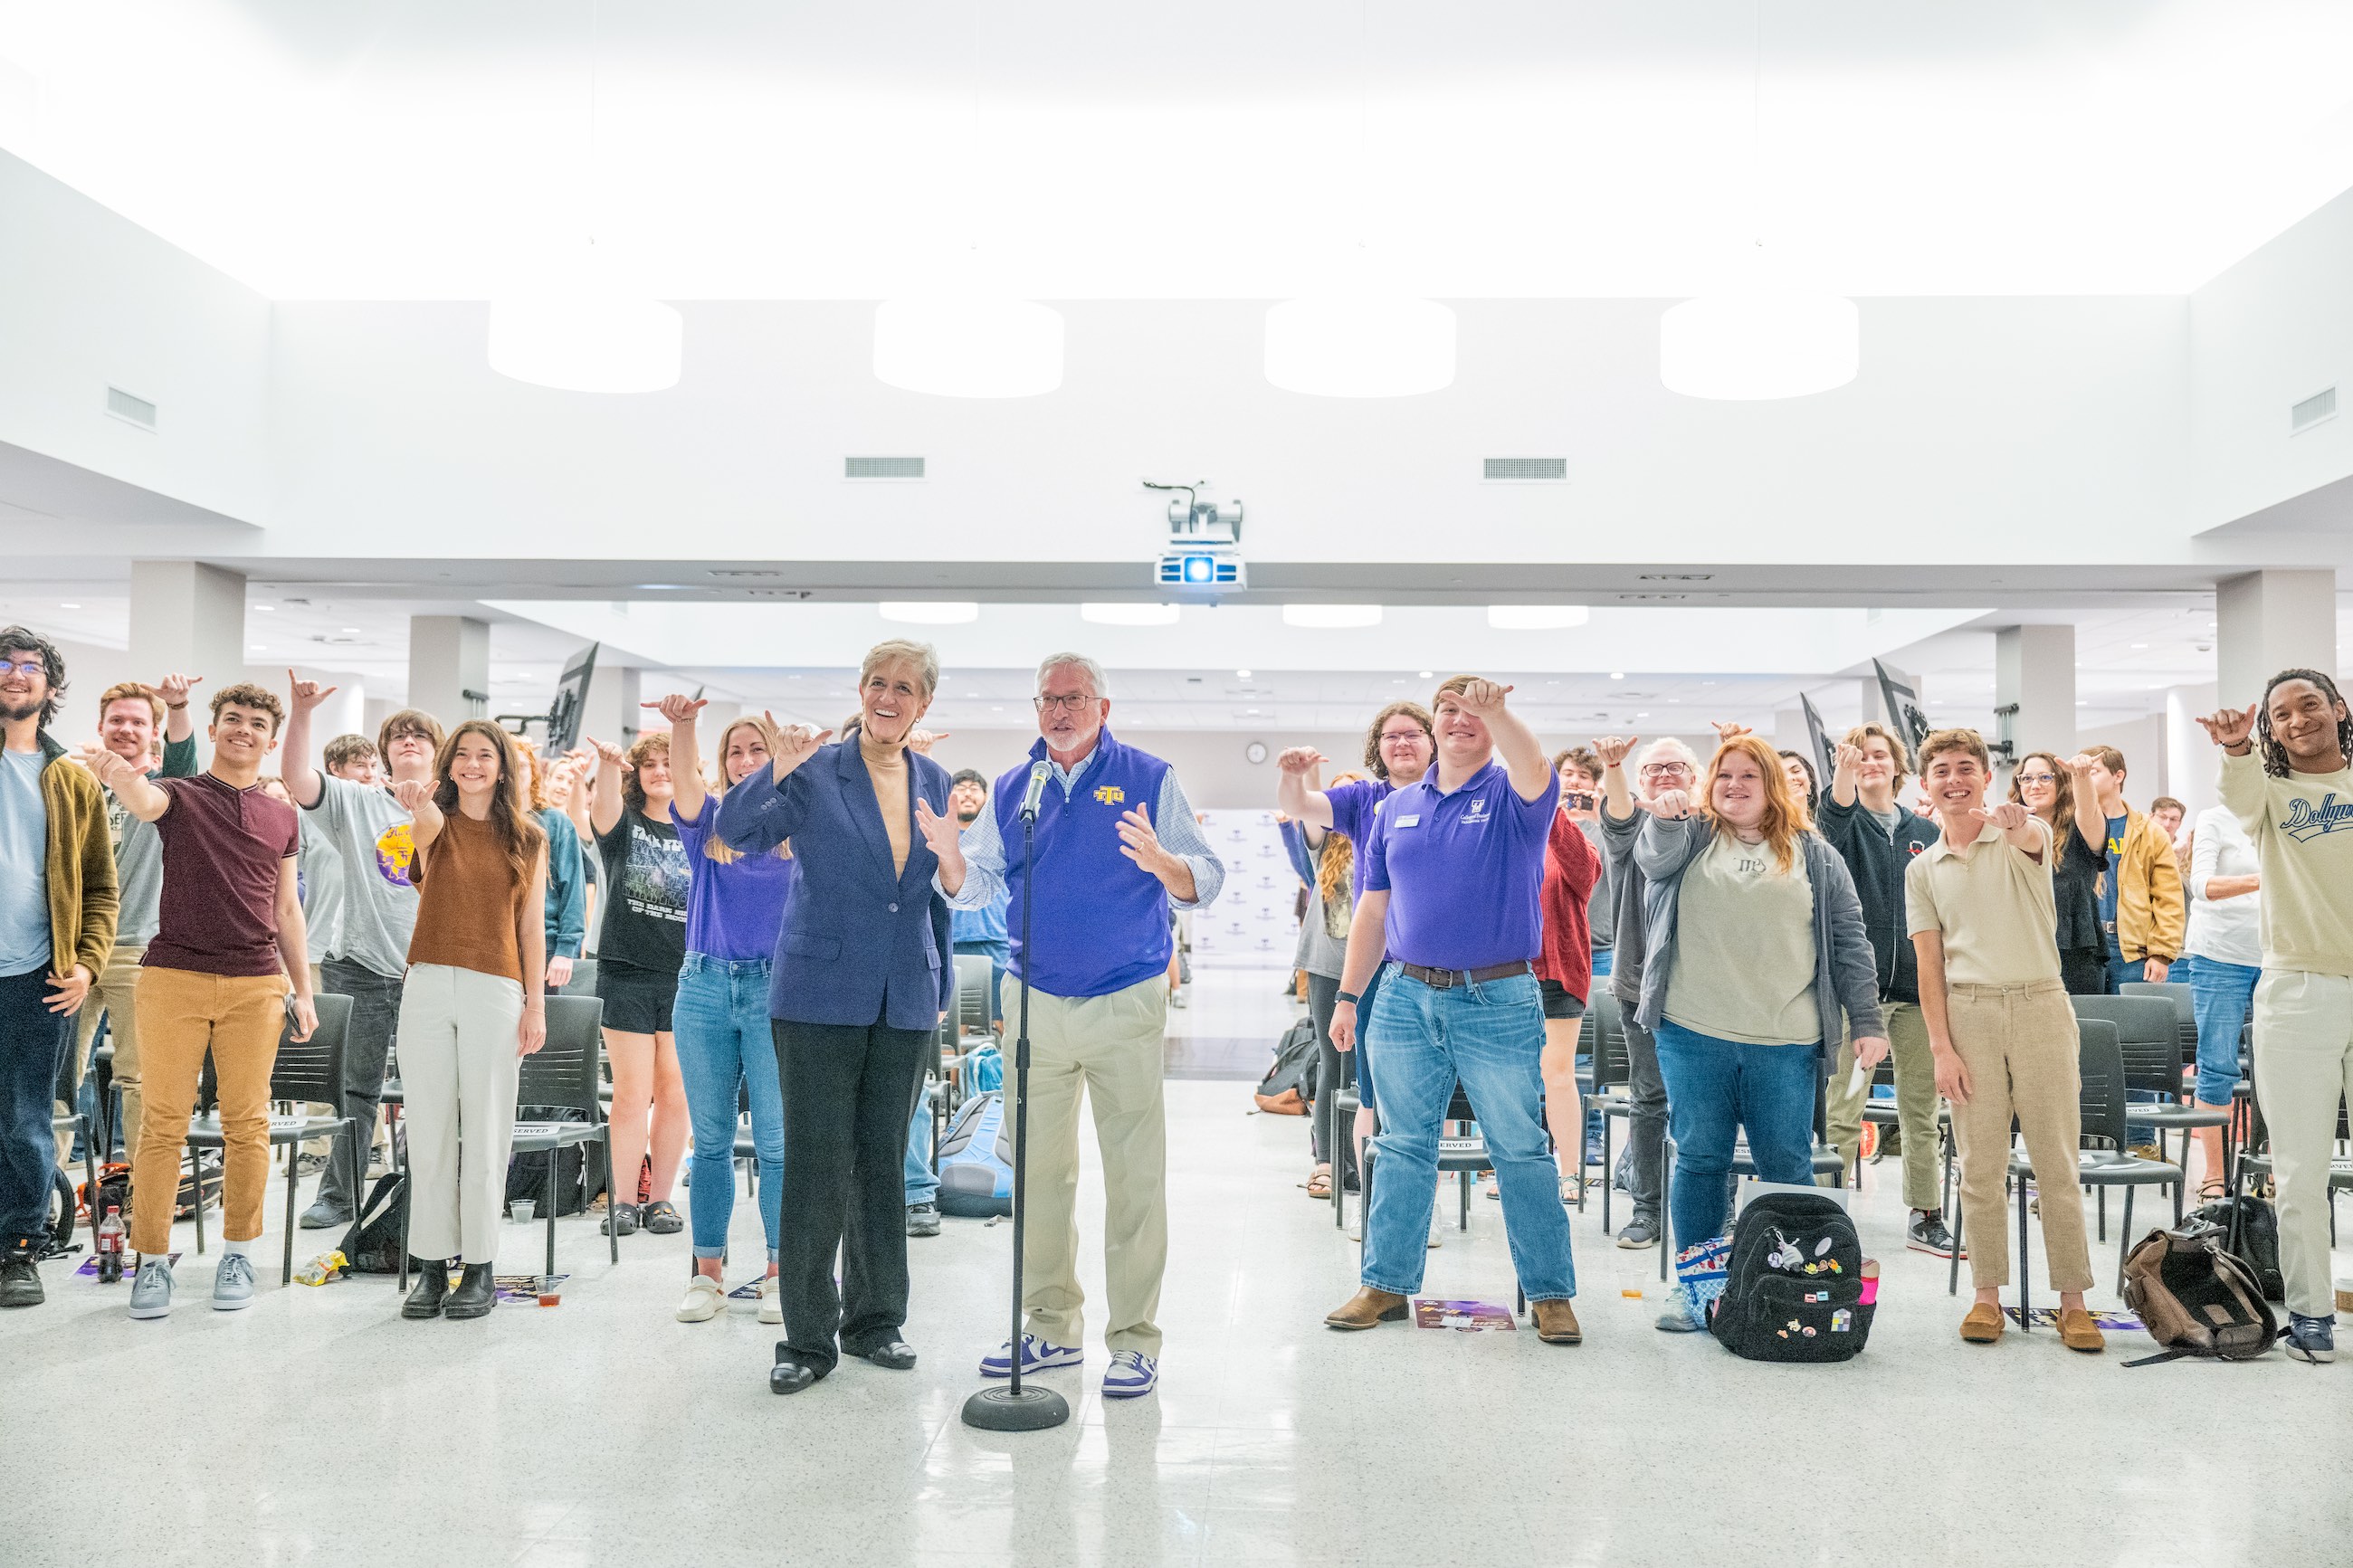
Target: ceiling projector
<point>1203,556</point>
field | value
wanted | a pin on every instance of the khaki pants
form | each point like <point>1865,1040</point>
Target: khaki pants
<point>1916,1103</point>
<point>1110,1048</point>
<point>2304,1063</point>
<point>2018,1045</point>
<point>182,1013</point>
<point>116,995</point>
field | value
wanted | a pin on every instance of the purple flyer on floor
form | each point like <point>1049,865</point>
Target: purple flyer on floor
<point>1469,1317</point>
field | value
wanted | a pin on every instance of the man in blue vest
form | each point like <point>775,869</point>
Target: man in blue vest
<point>1116,848</point>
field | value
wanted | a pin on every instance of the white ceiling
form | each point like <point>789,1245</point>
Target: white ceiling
<point>1514,148</point>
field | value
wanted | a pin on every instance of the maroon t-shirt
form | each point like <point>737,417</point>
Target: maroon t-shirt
<point>222,851</point>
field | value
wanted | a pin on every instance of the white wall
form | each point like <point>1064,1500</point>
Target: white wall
<point>2147,768</point>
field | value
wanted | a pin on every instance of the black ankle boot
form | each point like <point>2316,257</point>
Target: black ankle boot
<point>424,1296</point>
<point>475,1295</point>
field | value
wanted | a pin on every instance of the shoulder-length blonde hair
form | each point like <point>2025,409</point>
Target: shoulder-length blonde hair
<point>1338,856</point>
<point>715,847</point>
<point>517,830</point>
<point>1785,818</point>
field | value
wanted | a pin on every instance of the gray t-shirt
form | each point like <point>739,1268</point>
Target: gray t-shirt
<point>373,836</point>
<point>321,865</point>
<point>138,854</point>
<point>25,849</point>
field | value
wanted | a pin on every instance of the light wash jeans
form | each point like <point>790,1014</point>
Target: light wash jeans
<point>1719,1089</point>
<point>2220,995</point>
<point>1490,1035</point>
<point>724,1046</point>
<point>923,1181</point>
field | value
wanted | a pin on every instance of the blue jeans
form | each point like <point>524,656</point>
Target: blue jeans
<point>1490,1036</point>
<point>1364,1051</point>
<point>1716,1088</point>
<point>1603,961</point>
<point>32,1041</point>
<point>2123,969</point>
<point>2221,995</point>
<point>923,1181</point>
<point>721,1018</point>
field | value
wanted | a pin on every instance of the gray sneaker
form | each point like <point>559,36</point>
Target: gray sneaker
<point>232,1283</point>
<point>1641,1231</point>
<point>150,1291</point>
<point>1677,1319</point>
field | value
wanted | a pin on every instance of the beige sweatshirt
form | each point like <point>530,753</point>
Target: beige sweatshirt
<point>2302,827</point>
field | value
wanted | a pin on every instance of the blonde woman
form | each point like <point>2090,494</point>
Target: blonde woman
<point>643,946</point>
<point>1322,953</point>
<point>472,1006</point>
<point>1756,954</point>
<point>735,905</point>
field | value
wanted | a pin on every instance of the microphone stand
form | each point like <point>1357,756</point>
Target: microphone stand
<point>1014,1408</point>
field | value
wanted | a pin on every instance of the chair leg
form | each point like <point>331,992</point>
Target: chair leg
<point>2123,1240</point>
<point>2025,1267</point>
<point>286,1269</point>
<point>2100,1206</point>
<point>1666,1202</point>
<point>196,1177</point>
<point>1953,1275</point>
<point>1609,1166</point>
<point>548,1198</point>
<point>612,1232</point>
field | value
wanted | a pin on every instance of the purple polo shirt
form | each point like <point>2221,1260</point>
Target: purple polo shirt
<point>1356,808</point>
<point>1464,871</point>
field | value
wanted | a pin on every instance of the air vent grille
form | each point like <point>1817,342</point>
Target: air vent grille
<point>129,409</point>
<point>2317,410</point>
<point>882,467</point>
<point>1524,470</point>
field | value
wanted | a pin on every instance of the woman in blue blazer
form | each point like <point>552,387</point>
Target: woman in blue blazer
<point>862,979</point>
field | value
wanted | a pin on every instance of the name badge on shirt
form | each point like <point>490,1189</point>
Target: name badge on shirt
<point>1410,820</point>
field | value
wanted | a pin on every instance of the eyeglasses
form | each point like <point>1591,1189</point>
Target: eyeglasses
<point>1664,770</point>
<point>1395,737</point>
<point>28,666</point>
<point>1074,704</point>
<point>2038,778</point>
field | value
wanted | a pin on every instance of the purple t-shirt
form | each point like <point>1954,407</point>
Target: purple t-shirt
<point>733,908</point>
<point>1464,871</point>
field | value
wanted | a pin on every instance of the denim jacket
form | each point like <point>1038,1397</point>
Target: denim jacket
<point>1846,974</point>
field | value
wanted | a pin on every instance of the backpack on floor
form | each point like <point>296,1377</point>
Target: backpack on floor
<point>975,1160</point>
<point>372,1244</point>
<point>527,1173</point>
<point>2196,1297</point>
<point>2253,1239</point>
<point>1289,1083</point>
<point>1793,1289</point>
<point>984,1070</point>
<point>184,1202</point>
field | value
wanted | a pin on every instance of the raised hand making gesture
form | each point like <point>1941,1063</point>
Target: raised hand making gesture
<point>306,695</point>
<point>2231,728</point>
<point>795,743</point>
<point>1300,761</point>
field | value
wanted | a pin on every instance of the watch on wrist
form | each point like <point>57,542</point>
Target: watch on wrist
<point>1350,997</point>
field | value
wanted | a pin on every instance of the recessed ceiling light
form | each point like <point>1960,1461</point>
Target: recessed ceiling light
<point>257,648</point>
<point>1645,716</point>
<point>998,708</point>
<point>1330,618</point>
<point>351,631</point>
<point>1536,618</point>
<point>266,609</point>
<point>69,606</point>
<point>1429,675</point>
<point>1241,675</point>
<point>2139,645</point>
<point>1616,674</point>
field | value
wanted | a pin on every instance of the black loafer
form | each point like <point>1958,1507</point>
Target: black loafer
<point>790,1374</point>
<point>475,1296</point>
<point>432,1287</point>
<point>896,1354</point>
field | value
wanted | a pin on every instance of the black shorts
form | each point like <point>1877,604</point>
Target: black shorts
<point>1557,1001</point>
<point>637,1001</point>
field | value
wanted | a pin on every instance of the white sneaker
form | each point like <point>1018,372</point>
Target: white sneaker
<point>772,1305</point>
<point>704,1300</point>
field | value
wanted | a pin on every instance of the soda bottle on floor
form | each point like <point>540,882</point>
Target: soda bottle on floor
<point>110,1247</point>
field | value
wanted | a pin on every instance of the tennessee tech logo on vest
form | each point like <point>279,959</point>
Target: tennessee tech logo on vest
<point>1110,795</point>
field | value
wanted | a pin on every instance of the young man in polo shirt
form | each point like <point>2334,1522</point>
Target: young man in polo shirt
<point>1117,847</point>
<point>228,939</point>
<point>1983,921</point>
<point>1879,839</point>
<point>374,909</point>
<point>57,921</point>
<point>1454,883</point>
<point>128,717</point>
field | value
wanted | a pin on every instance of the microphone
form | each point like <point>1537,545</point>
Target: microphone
<point>1038,773</point>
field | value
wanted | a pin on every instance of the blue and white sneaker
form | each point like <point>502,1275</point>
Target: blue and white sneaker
<point>2310,1339</point>
<point>151,1288</point>
<point>1037,1355</point>
<point>1131,1374</point>
<point>232,1283</point>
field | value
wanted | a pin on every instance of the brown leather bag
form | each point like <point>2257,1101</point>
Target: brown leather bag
<point>2196,1299</point>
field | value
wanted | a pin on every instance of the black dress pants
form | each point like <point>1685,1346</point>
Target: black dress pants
<point>846,1089</point>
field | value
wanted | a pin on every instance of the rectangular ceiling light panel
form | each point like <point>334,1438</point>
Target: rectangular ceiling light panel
<point>129,409</point>
<point>2320,408</point>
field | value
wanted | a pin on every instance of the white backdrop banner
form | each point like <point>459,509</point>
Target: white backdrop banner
<point>1251,925</point>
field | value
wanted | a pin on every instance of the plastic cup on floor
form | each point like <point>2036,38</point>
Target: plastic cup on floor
<point>523,1209</point>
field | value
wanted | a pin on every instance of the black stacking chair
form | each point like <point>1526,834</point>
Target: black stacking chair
<point>584,979</point>
<point>1605,1083</point>
<point>566,1074</point>
<point>2148,1031</point>
<point>79,1124</point>
<point>310,1070</point>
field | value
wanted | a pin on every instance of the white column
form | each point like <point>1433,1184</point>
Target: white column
<point>2034,667</point>
<point>450,668</point>
<point>2271,621</point>
<point>190,618</point>
<point>611,712</point>
<point>2189,765</point>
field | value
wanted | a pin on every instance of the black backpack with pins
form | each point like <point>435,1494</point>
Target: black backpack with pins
<point>1793,1288</point>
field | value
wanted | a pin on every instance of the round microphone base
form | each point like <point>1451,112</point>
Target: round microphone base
<point>1002,1410</point>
